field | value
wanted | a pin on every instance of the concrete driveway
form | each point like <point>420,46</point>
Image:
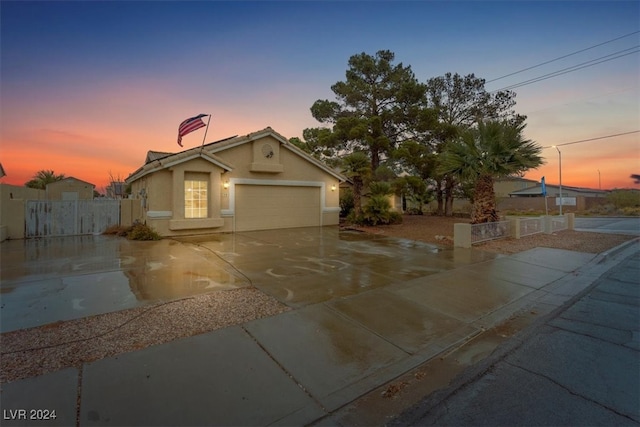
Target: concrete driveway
<point>48,280</point>
<point>367,309</point>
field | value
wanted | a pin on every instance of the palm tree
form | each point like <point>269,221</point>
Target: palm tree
<point>42,178</point>
<point>494,149</point>
<point>357,167</point>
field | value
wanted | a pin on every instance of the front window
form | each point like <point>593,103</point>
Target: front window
<point>195,199</point>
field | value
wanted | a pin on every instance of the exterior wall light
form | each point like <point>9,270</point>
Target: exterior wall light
<point>333,187</point>
<point>226,184</point>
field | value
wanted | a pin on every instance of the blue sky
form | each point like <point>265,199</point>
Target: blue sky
<point>92,86</point>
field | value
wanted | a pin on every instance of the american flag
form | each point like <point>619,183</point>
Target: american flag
<point>189,126</point>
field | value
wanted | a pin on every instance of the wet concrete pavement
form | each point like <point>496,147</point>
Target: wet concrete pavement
<point>47,280</point>
<point>578,366</point>
<point>367,309</point>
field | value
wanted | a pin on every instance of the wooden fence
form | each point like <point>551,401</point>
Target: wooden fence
<point>48,218</point>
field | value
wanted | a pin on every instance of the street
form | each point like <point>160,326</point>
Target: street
<point>614,225</point>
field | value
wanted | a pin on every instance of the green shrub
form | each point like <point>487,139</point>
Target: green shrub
<point>346,202</point>
<point>395,217</point>
<point>378,212</point>
<point>353,219</point>
<point>380,188</point>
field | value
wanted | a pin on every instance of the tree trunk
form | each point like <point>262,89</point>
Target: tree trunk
<point>449,183</point>
<point>439,198</point>
<point>484,202</point>
<point>357,193</point>
<point>448,206</point>
<point>375,159</point>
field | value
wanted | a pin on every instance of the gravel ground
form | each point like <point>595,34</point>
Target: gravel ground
<point>439,231</point>
<point>36,351</point>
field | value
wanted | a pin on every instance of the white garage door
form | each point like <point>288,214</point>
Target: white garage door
<point>263,207</point>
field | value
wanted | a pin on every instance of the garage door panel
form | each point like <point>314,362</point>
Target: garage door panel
<point>263,207</point>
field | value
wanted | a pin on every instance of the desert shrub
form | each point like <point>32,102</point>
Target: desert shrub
<point>624,198</point>
<point>352,218</point>
<point>414,211</point>
<point>143,232</point>
<point>608,209</point>
<point>395,217</point>
<point>117,230</point>
<point>346,202</point>
<point>631,211</point>
<point>378,212</point>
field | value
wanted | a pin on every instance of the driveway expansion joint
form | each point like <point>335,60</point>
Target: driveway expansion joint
<point>289,374</point>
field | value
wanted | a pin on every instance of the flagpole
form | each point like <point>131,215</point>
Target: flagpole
<point>205,133</point>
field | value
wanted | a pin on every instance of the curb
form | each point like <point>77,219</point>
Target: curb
<point>412,414</point>
<point>604,256</point>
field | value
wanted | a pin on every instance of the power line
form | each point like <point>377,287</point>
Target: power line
<point>577,67</point>
<point>592,139</point>
<point>562,57</point>
<point>576,101</point>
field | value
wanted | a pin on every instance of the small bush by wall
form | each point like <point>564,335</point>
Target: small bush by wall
<point>134,232</point>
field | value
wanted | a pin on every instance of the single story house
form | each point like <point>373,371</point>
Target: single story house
<point>502,187</point>
<point>253,182</point>
<point>554,191</point>
<point>70,188</point>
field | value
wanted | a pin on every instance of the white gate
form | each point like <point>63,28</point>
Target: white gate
<point>47,218</point>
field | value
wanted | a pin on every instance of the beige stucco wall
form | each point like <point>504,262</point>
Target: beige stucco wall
<point>261,162</point>
<point>130,210</point>
<point>163,206</point>
<point>56,189</point>
<point>291,170</point>
<point>12,207</point>
<point>502,188</point>
<point>12,210</point>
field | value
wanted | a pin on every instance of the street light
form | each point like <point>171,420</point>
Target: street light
<point>560,168</point>
<point>599,181</point>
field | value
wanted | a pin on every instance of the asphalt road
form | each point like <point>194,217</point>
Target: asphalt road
<point>613,225</point>
<point>577,368</point>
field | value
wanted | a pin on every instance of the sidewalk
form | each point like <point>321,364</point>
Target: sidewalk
<point>301,366</point>
<point>581,366</point>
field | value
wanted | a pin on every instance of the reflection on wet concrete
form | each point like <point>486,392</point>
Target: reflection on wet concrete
<point>46,280</point>
<point>408,325</point>
<point>323,350</point>
<point>464,294</point>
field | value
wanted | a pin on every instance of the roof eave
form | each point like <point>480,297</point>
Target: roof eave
<point>177,159</point>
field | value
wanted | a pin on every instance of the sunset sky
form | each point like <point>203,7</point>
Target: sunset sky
<point>87,88</point>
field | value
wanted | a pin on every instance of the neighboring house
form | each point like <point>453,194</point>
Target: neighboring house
<point>253,182</point>
<point>554,191</point>
<point>70,189</point>
<point>503,187</point>
<point>116,190</point>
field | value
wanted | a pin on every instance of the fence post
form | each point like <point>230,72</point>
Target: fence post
<point>548,225</point>
<point>461,235</point>
<point>571,219</point>
<point>514,225</point>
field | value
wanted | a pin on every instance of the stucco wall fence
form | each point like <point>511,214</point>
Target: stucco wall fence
<point>13,210</point>
<point>466,235</point>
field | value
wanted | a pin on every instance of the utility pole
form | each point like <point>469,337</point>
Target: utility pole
<point>599,181</point>
<point>560,167</point>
